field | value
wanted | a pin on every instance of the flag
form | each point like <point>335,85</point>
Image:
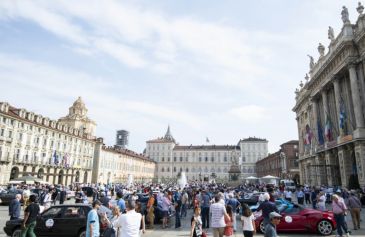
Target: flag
<point>207,140</point>
<point>328,130</point>
<point>308,135</point>
<point>54,157</point>
<point>320,133</point>
<point>342,115</point>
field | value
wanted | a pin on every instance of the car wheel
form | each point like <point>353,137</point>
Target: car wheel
<point>82,233</point>
<point>324,227</point>
<point>262,227</point>
<point>16,233</point>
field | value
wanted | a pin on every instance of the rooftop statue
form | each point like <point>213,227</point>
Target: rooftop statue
<point>321,50</point>
<point>345,15</point>
<point>311,62</point>
<point>360,8</point>
<point>331,33</point>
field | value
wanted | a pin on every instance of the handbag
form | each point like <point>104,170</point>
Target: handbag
<point>109,232</point>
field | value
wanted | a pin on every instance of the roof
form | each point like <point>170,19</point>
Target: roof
<point>253,139</point>
<point>296,142</point>
<point>207,147</point>
<point>15,113</point>
<point>159,140</point>
<point>126,152</point>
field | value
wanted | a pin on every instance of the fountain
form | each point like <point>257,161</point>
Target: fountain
<point>130,181</point>
<point>182,181</point>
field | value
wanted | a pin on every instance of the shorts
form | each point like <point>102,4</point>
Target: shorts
<point>165,213</point>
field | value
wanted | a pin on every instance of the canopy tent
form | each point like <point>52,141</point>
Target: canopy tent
<point>27,180</point>
<point>251,178</point>
<point>270,177</point>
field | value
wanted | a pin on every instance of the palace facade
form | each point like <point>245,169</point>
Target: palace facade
<point>63,151</point>
<point>330,109</point>
<point>204,162</point>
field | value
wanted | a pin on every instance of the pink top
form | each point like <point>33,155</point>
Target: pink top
<point>338,207</point>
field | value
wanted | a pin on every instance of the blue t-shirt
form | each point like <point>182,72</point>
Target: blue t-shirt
<point>121,204</point>
<point>93,219</point>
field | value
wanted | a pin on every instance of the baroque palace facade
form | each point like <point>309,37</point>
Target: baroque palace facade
<point>63,151</point>
<point>204,162</point>
<point>330,110</point>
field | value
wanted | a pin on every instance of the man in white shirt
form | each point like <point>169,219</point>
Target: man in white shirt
<point>131,221</point>
<point>218,211</point>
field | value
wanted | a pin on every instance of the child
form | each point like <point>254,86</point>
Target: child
<point>228,230</point>
<point>248,223</point>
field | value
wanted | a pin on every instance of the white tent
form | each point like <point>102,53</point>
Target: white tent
<point>269,177</point>
<point>251,178</point>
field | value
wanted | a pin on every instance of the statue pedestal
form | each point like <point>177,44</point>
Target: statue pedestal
<point>234,175</point>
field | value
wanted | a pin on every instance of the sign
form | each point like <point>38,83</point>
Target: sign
<point>49,223</point>
<point>346,138</point>
<point>288,219</point>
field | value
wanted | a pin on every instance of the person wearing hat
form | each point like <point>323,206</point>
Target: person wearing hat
<point>270,229</point>
<point>92,224</point>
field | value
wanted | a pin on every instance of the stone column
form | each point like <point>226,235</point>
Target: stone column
<point>328,168</point>
<point>360,162</point>
<point>315,126</point>
<point>325,112</point>
<point>359,118</point>
<point>336,85</point>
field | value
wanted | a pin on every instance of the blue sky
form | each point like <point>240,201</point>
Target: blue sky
<point>219,69</point>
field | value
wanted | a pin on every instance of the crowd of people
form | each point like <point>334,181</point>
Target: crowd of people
<point>214,206</point>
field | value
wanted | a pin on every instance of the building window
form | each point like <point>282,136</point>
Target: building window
<point>212,159</point>
<point>162,170</point>
<point>174,169</point>
<point>206,159</point>
<point>163,159</point>
<point>200,159</point>
<point>187,170</point>
<point>181,159</point>
<point>174,159</point>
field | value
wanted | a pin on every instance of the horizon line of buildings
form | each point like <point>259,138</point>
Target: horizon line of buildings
<point>66,151</point>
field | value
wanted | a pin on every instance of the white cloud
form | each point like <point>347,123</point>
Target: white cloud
<point>250,113</point>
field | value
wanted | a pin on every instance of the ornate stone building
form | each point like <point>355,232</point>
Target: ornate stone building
<point>204,162</point>
<point>63,151</point>
<point>330,110</point>
<point>115,165</point>
<point>31,144</point>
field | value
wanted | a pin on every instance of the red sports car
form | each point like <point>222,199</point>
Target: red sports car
<point>299,219</point>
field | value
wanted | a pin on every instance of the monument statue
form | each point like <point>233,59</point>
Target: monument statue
<point>331,33</point>
<point>345,15</point>
<point>311,62</point>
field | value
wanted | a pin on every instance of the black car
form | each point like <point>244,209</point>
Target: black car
<point>59,220</point>
<point>9,195</point>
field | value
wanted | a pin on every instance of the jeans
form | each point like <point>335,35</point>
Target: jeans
<point>234,221</point>
<point>205,217</point>
<point>184,210</point>
<point>307,198</point>
<point>301,200</point>
<point>341,224</point>
<point>177,219</point>
<point>28,231</point>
